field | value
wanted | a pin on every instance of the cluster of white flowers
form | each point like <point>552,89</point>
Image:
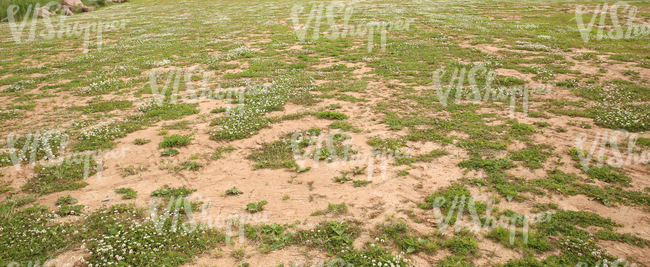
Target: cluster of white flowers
<point>619,109</point>
<point>19,86</point>
<point>234,53</point>
<point>491,62</point>
<point>243,121</point>
<point>41,146</point>
<point>99,87</point>
<point>525,26</point>
<point>531,46</point>
<point>108,130</point>
<point>543,72</point>
<point>158,63</point>
<point>581,247</point>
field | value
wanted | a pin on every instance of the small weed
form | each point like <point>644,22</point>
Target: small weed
<point>358,171</point>
<point>170,152</point>
<point>361,183</point>
<point>233,191</point>
<point>140,142</point>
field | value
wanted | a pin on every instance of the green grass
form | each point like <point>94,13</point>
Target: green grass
<point>428,157</point>
<point>127,193</point>
<point>331,115</point>
<point>69,175</point>
<point>532,156</point>
<point>175,141</point>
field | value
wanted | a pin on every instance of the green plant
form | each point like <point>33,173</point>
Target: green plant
<point>342,179</point>
<point>361,183</point>
<point>233,191</point>
<point>358,171</point>
<point>256,207</point>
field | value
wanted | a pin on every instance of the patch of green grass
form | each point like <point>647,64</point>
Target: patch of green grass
<point>127,193</point>
<point>331,115</point>
<point>70,210</point>
<point>140,142</point>
<point>331,236</point>
<point>428,157</point>
<point>69,175</point>
<point>218,110</point>
<point>191,165</point>
<point>336,209</point>
<point>361,183</point>
<point>533,156</point>
<point>128,171</point>
<point>463,244</point>
<point>609,174</point>
<point>429,135</point>
<point>270,236</point>
<point>170,152</point>
<point>170,192</point>
<point>218,153</point>
<point>175,141</point>
<point>399,233</point>
<point>345,126</point>
<point>65,200</point>
<point>105,106</point>
<point>167,111</point>
<point>388,144</point>
<point>180,125</point>
<point>541,124</point>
